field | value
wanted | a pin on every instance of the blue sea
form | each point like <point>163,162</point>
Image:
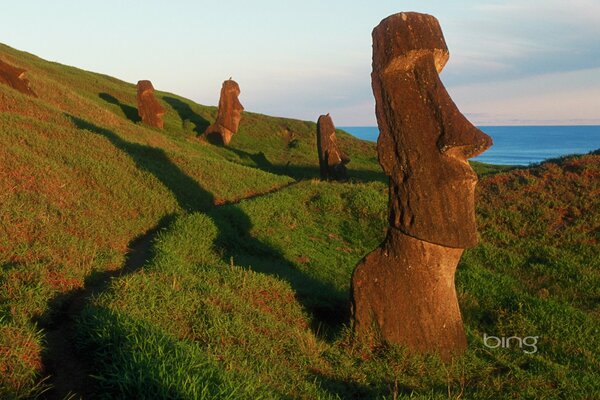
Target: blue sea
<point>521,145</point>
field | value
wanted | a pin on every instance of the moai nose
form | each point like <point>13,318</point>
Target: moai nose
<point>460,138</point>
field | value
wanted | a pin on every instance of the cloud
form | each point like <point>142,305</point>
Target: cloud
<point>555,98</point>
<point>582,11</point>
<point>513,39</point>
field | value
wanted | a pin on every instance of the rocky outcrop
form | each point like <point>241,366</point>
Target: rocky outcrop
<point>15,78</point>
<point>149,109</point>
<point>229,115</point>
<point>332,161</point>
<point>404,290</point>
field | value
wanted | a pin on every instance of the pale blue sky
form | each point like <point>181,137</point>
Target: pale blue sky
<point>511,62</point>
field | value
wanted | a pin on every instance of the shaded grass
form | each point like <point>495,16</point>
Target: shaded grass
<point>245,284</point>
<point>298,235</point>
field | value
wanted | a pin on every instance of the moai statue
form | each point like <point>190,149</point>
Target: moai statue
<point>149,109</point>
<point>403,291</point>
<point>15,78</point>
<point>229,115</point>
<point>332,161</point>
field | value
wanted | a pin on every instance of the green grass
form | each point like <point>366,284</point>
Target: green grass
<point>266,293</point>
<point>249,298</point>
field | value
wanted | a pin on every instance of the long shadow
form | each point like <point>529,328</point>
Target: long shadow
<point>347,389</point>
<point>329,306</point>
<point>189,194</point>
<point>68,369</point>
<point>131,113</point>
<point>143,376</point>
<point>303,172</point>
<point>258,159</point>
<point>186,113</point>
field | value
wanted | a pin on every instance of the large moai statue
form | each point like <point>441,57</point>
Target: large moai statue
<point>149,109</point>
<point>332,161</point>
<point>15,78</point>
<point>404,291</point>
<point>229,115</point>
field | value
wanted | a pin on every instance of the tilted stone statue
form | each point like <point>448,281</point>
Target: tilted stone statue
<point>332,161</point>
<point>15,78</point>
<point>404,290</point>
<point>149,109</point>
<point>229,115</point>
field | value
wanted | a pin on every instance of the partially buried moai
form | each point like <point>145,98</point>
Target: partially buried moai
<point>332,161</point>
<point>229,115</point>
<point>149,109</point>
<point>404,290</point>
<point>15,78</point>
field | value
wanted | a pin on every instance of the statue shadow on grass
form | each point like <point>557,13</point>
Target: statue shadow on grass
<point>67,368</point>
<point>303,172</point>
<point>259,159</point>
<point>189,194</point>
<point>187,114</point>
<point>328,306</point>
<point>130,112</point>
<point>70,369</point>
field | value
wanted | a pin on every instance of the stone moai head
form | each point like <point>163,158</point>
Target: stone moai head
<point>230,108</point>
<point>424,141</point>
<point>149,109</point>
<point>144,88</point>
<point>332,161</point>
<point>15,78</point>
<point>229,115</point>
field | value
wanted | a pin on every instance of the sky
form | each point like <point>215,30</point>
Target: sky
<point>512,62</point>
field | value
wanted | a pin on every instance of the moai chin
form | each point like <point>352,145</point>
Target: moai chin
<point>149,109</point>
<point>229,115</point>
<point>15,78</point>
<point>332,161</point>
<point>404,290</point>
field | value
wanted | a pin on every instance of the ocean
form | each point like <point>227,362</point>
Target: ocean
<point>521,145</point>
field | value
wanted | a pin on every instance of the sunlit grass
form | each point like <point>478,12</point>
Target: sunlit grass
<point>250,299</point>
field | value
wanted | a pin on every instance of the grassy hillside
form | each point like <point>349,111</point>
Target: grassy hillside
<point>139,263</point>
<point>81,179</point>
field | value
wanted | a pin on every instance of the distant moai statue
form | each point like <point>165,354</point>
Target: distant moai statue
<point>149,109</point>
<point>404,290</point>
<point>332,161</point>
<point>15,78</point>
<point>229,115</point>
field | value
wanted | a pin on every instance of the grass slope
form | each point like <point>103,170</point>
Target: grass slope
<point>249,299</point>
<point>255,289</point>
<point>81,179</point>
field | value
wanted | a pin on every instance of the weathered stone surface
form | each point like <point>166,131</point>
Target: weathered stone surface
<point>405,288</point>
<point>15,78</point>
<point>404,292</point>
<point>424,140</point>
<point>149,109</point>
<point>332,161</point>
<point>229,115</point>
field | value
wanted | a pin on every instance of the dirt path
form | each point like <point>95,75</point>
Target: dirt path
<point>68,375</point>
